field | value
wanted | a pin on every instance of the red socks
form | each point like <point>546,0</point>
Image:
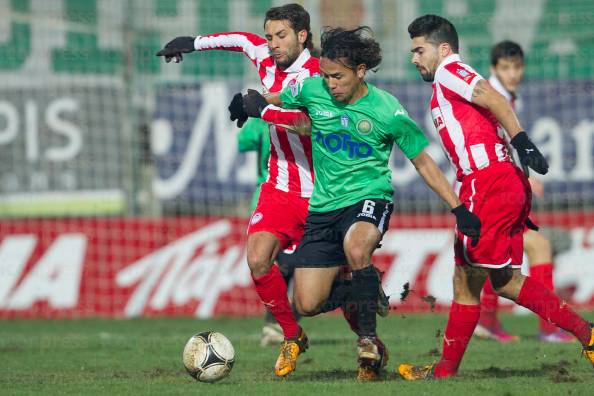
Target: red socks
<point>489,304</point>
<point>543,273</point>
<point>272,290</point>
<point>461,324</point>
<point>548,306</point>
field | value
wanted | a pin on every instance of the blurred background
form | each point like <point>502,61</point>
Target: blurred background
<point>122,192</point>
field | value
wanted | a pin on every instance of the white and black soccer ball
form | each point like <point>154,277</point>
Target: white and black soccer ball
<point>208,356</point>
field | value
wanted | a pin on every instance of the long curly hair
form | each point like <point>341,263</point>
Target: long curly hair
<point>351,47</point>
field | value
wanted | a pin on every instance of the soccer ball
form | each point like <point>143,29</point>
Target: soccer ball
<point>208,356</point>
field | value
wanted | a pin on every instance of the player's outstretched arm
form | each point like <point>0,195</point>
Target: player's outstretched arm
<point>467,222</point>
<point>294,121</point>
<point>260,106</point>
<point>252,45</point>
<point>487,97</point>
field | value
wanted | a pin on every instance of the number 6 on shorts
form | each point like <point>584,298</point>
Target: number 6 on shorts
<point>368,207</point>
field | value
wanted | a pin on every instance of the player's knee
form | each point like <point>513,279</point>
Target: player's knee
<point>358,257</point>
<point>306,306</point>
<point>464,293</point>
<point>259,264</point>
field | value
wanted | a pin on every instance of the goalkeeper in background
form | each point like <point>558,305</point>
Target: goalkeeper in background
<point>507,73</point>
<point>254,136</point>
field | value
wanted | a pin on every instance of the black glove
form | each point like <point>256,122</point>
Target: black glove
<point>254,103</point>
<point>176,47</point>
<point>531,225</point>
<point>529,154</point>
<point>236,111</point>
<point>468,223</point>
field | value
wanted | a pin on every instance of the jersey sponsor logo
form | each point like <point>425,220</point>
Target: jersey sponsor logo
<point>364,126</point>
<point>256,218</point>
<point>335,142</point>
<point>324,113</point>
<point>437,119</point>
<point>344,120</point>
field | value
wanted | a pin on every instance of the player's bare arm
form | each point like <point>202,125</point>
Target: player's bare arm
<point>434,178</point>
<point>467,222</point>
<point>487,97</point>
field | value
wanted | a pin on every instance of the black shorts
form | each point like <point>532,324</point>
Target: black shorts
<point>322,242</point>
<point>286,263</point>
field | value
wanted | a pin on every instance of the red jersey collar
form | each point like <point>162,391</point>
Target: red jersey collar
<point>447,60</point>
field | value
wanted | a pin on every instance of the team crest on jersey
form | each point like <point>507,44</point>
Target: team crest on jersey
<point>344,120</point>
<point>463,73</point>
<point>256,218</point>
<point>364,126</point>
<point>294,87</point>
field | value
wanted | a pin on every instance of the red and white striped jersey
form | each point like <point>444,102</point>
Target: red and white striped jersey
<point>468,132</point>
<point>290,167</point>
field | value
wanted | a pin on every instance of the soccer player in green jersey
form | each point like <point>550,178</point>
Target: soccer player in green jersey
<point>253,136</point>
<point>354,126</point>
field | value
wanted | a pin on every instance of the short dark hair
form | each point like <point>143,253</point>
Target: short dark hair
<point>435,29</point>
<point>506,49</point>
<point>296,15</point>
<point>356,46</point>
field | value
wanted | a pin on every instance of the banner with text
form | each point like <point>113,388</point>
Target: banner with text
<point>196,266</point>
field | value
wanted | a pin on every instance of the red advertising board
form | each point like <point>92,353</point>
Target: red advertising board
<point>125,267</point>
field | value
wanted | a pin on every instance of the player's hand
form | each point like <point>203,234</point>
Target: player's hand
<point>531,225</point>
<point>176,47</point>
<point>236,111</point>
<point>529,154</point>
<point>254,103</point>
<point>468,223</point>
